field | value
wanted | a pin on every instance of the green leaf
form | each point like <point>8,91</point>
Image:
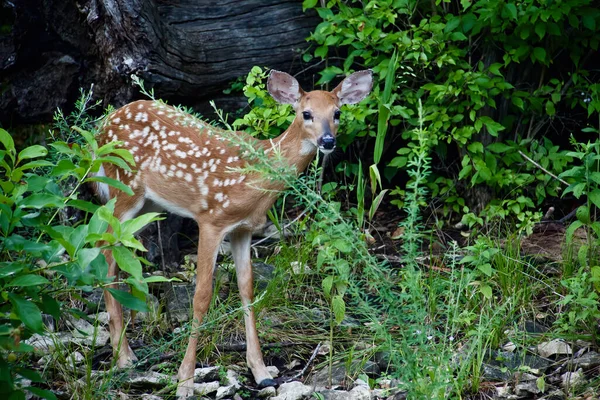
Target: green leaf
<point>495,69</point>
<point>499,147</point>
<point>327,284</point>
<point>475,147</point>
<point>571,230</point>
<point>510,10</point>
<point>160,278</point>
<point>594,197</point>
<point>127,300</point>
<point>43,393</point>
<point>7,141</point>
<point>486,268</point>
<point>342,245</point>
<point>27,312</point>
<point>112,182</point>
<point>42,200</point>
<point>134,225</point>
<point>539,53</point>
<point>339,308</point>
<point>452,24</point>
<point>486,291</point>
<point>540,29</point>
<point>589,21</point>
<point>32,152</point>
<point>86,256</point>
<point>583,214</point>
<point>127,261</point>
<point>28,280</point>
<point>550,110</point>
<point>308,4</point>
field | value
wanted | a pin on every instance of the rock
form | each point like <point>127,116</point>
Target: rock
<point>553,348</point>
<point>526,388</point>
<point>503,391</point>
<point>293,391</point>
<point>338,374</point>
<point>75,359</point>
<point>554,395</point>
<point>335,394</point>
<point>587,360</point>
<point>496,374</point>
<point>202,389</point>
<point>86,333</point>
<point>273,370</point>
<point>360,382</point>
<point>232,386</point>
<point>263,274</point>
<point>102,317</point>
<point>534,327</point>
<point>360,392</point>
<point>267,393</point>
<point>299,268</point>
<point>570,380</point>
<point>146,396</point>
<point>513,361</point>
<point>179,302</point>
<point>149,379</point>
<point>206,374</point>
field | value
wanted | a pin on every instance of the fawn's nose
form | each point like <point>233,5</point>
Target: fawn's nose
<point>326,143</point>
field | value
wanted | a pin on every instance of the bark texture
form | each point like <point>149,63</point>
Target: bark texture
<point>188,50</point>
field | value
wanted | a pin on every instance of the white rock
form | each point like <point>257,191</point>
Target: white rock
<point>232,385</point>
<point>202,389</point>
<point>573,379</point>
<point>102,317</point>
<point>273,370</point>
<point>76,358</point>
<point>360,382</point>
<point>360,392</point>
<point>267,392</point>
<point>147,396</point>
<point>300,268</point>
<point>554,347</point>
<point>88,334</point>
<point>150,379</point>
<point>206,374</point>
<point>293,391</point>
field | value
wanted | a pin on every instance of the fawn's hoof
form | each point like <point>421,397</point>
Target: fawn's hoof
<point>266,383</point>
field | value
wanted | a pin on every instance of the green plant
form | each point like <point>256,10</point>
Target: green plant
<point>44,258</point>
<point>483,72</point>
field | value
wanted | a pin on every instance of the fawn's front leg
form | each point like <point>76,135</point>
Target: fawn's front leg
<point>240,248</point>
<point>208,246</point>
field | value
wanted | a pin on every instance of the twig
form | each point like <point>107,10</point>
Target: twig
<point>544,169</point>
<point>310,360</point>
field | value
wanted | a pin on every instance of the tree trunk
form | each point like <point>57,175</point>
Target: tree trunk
<point>188,50</point>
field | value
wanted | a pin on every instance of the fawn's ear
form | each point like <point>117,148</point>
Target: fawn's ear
<point>355,87</point>
<point>284,88</point>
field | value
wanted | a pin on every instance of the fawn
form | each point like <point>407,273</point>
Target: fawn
<point>189,168</point>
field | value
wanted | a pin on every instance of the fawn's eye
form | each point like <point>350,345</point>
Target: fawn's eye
<point>336,115</point>
<point>306,115</point>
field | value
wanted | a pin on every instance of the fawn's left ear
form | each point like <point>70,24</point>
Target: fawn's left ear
<point>355,87</point>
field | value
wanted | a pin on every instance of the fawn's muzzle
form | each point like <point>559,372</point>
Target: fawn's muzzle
<point>326,143</point>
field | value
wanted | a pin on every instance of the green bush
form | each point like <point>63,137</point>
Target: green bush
<point>45,256</point>
<point>493,77</point>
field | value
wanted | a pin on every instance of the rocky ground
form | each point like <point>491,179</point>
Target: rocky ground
<point>77,353</point>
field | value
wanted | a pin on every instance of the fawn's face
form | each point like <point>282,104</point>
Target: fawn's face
<point>319,114</point>
<point>318,111</point>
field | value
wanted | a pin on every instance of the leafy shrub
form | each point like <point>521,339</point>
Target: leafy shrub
<point>483,71</point>
<point>45,257</point>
